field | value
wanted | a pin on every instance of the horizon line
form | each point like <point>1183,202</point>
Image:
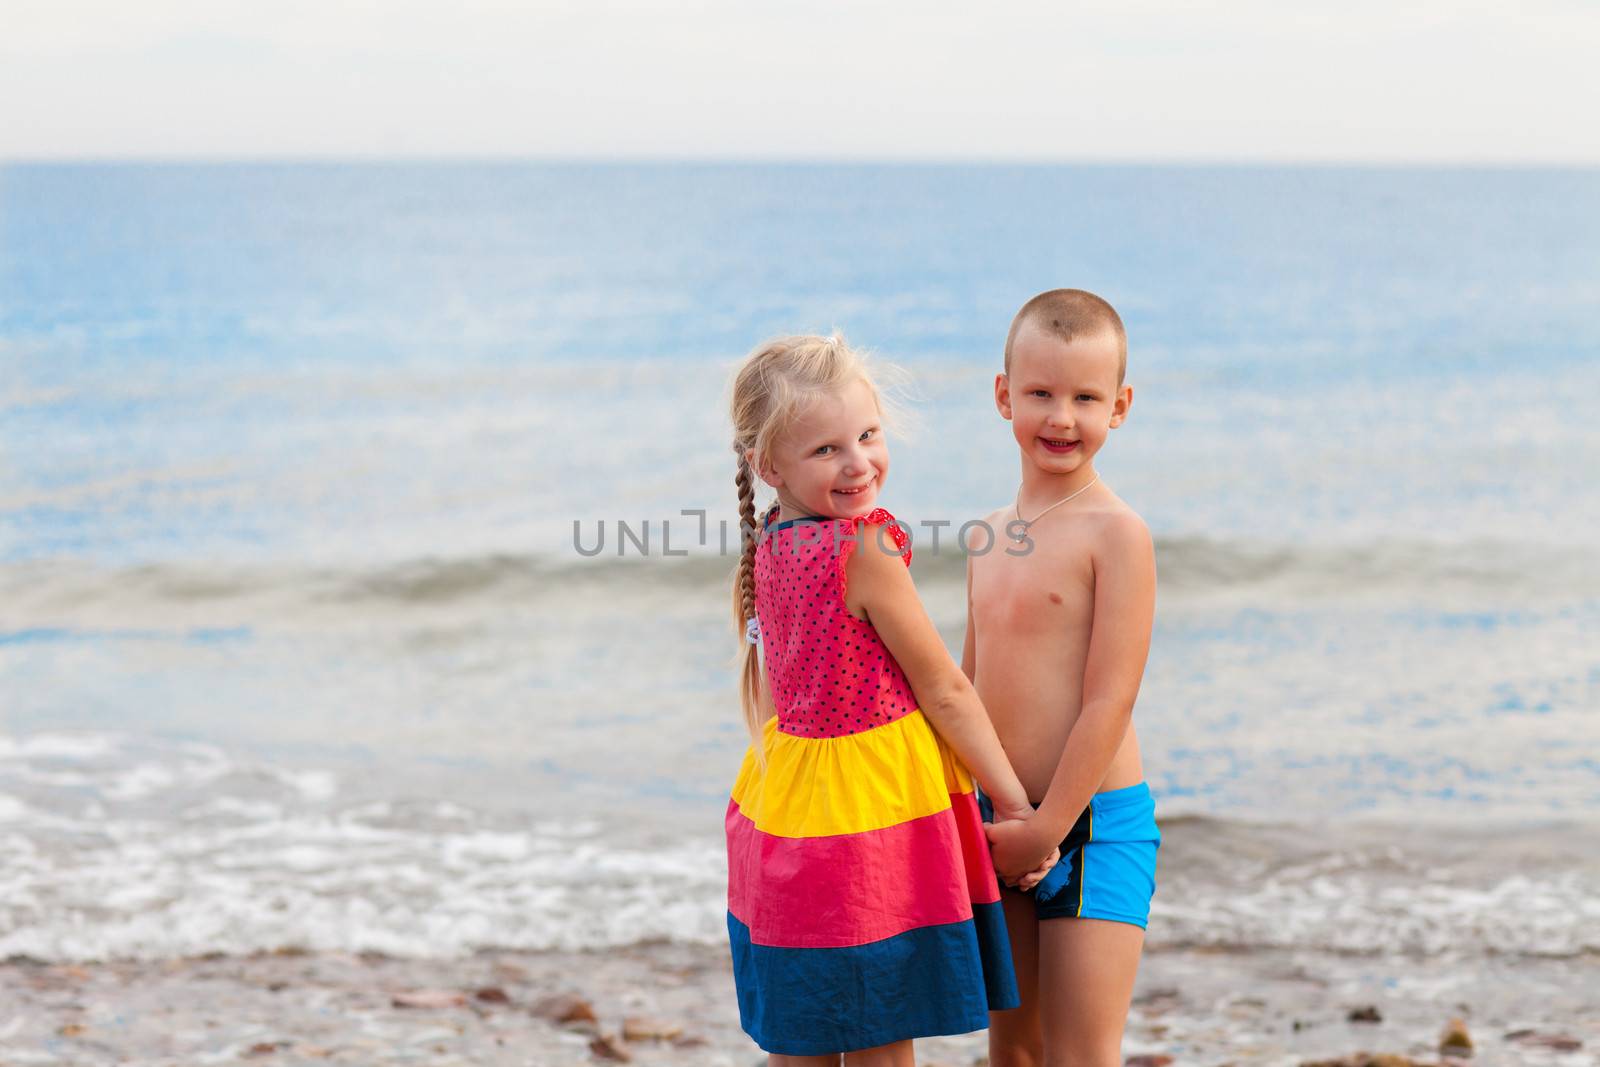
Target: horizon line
<point>730,160</point>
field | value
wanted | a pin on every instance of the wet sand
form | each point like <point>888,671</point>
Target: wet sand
<point>1196,1007</point>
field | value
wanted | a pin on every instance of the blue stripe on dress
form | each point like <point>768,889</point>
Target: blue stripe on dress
<point>925,982</point>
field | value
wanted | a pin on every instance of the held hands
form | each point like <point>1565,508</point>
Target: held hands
<point>1017,849</point>
<point>1037,875</point>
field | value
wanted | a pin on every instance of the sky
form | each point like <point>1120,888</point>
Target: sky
<point>1151,80</point>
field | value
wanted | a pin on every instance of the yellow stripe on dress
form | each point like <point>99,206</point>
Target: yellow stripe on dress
<point>821,786</point>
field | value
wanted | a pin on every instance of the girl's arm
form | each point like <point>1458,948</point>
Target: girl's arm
<point>879,582</point>
<point>969,646</point>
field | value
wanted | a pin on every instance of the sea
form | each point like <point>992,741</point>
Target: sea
<point>362,570</point>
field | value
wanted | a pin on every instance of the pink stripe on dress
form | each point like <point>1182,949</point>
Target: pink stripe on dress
<point>852,889</point>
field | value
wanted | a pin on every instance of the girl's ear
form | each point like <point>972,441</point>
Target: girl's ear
<point>767,474</point>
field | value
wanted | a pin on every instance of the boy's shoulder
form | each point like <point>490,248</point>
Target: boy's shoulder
<point>1110,522</point>
<point>1116,519</point>
<point>1116,530</point>
<point>975,533</point>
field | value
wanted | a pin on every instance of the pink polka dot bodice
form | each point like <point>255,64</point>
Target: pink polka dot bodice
<point>830,673</point>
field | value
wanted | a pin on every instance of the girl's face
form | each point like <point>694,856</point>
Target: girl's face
<point>834,459</point>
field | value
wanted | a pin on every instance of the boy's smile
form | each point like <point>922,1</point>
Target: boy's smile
<point>1062,398</point>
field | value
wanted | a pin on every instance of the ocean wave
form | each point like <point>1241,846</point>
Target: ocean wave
<point>1375,887</point>
<point>1188,567</point>
<point>119,847</point>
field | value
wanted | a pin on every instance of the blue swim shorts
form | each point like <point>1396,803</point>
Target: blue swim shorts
<point>1108,860</point>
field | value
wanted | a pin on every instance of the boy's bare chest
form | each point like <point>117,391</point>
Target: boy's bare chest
<point>1050,587</point>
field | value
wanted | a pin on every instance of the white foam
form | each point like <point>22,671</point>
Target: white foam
<point>312,785</point>
<point>140,781</point>
<point>58,746</point>
<point>1555,914</point>
<point>120,857</point>
<point>142,890</point>
<point>250,810</point>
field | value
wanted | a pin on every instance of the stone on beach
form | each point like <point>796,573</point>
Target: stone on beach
<point>1554,1042</point>
<point>265,1048</point>
<point>1366,1014</point>
<point>564,1008</point>
<point>607,1047</point>
<point>639,1029</point>
<point>1455,1041</point>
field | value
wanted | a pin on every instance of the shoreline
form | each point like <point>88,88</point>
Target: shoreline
<point>506,1007</point>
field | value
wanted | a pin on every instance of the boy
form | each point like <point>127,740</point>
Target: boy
<point>1059,611</point>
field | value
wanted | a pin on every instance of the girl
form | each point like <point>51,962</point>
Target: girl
<point>862,904</point>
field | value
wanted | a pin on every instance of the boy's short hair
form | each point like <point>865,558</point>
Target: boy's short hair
<point>1070,313</point>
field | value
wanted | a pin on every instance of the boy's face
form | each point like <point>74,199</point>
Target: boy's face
<point>1062,397</point>
<point>834,459</point>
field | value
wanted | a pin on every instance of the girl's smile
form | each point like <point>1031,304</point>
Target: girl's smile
<point>834,459</point>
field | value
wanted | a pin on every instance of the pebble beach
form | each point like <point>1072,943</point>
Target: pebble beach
<point>673,1005</point>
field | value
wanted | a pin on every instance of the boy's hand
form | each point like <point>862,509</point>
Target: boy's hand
<point>1016,846</point>
<point>1035,876</point>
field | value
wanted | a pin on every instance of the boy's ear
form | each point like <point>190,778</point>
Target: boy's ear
<point>1002,395</point>
<point>1120,406</point>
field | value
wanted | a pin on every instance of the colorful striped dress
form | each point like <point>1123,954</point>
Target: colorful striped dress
<point>862,902</point>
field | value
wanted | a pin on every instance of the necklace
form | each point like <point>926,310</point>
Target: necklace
<point>1023,536</point>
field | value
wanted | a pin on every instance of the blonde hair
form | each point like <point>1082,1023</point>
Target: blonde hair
<point>773,387</point>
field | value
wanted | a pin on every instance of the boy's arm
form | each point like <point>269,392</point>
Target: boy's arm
<point>1119,644</point>
<point>969,667</point>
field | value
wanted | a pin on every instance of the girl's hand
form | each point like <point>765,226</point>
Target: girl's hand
<point>1035,876</point>
<point>1016,847</point>
<point>1020,812</point>
<point>1017,810</point>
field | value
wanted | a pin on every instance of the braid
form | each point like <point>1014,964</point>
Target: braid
<point>754,696</point>
<point>747,537</point>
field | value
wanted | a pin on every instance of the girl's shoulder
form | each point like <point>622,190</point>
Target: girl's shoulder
<point>840,535</point>
<point>886,530</point>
